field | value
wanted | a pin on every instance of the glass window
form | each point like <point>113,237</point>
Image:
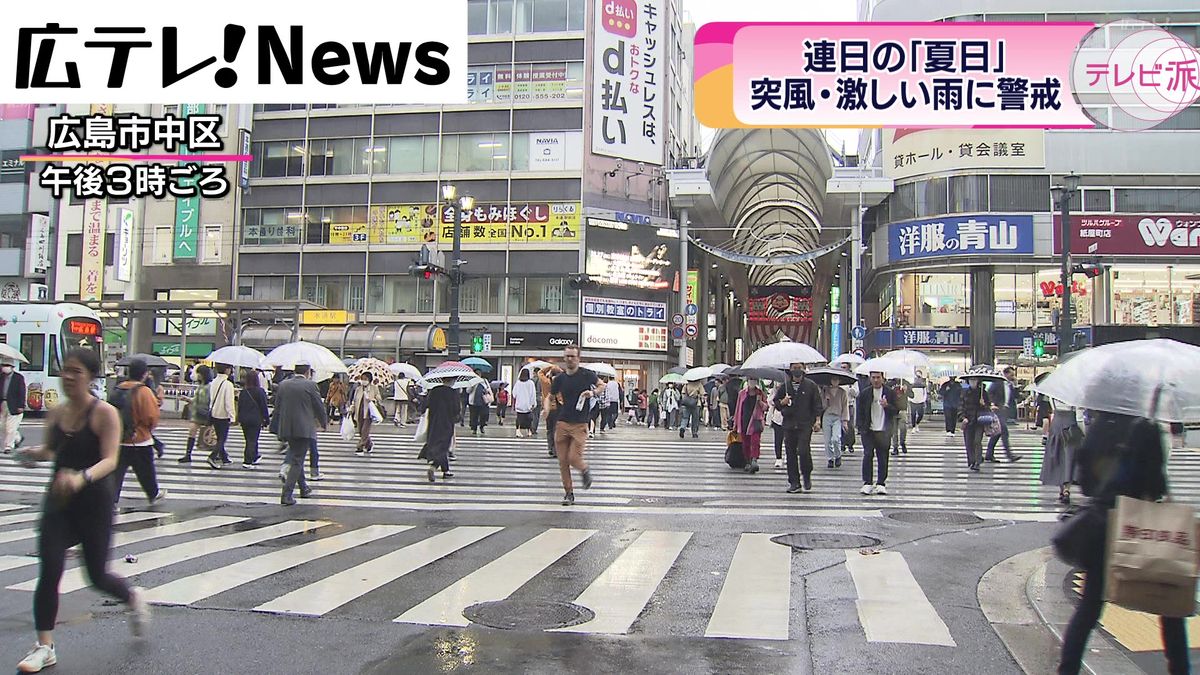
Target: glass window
<point>931,197</point>
<point>1014,298</point>
<point>481,84</point>
<point>475,152</point>
<point>274,159</point>
<point>549,15</point>
<point>544,296</point>
<point>449,153</point>
<point>968,194</point>
<point>500,152</point>
<point>523,20</point>
<point>393,295</point>
<point>1049,299</point>
<point>500,16</point>
<point>33,346</point>
<point>331,291</point>
<point>575,79</point>
<point>1020,194</point>
<point>344,157</point>
<point>1097,201</point>
<point>577,15</point>
<point>495,299</point>
<point>1186,119</point>
<point>1154,296</point>
<point>477,17</point>
<point>1156,200</point>
<point>404,154</point>
<point>516,295</point>
<point>571,301</point>
<point>320,157</point>
<point>903,202</point>
<point>429,162</point>
<point>425,297</point>
<point>933,300</point>
<point>520,152</point>
<point>54,367</point>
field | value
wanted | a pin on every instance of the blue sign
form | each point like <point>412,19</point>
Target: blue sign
<point>961,235</point>
<point>693,310</point>
<point>920,338</point>
<point>677,333</point>
<point>632,218</point>
<point>638,310</point>
<point>858,332</point>
<point>835,334</point>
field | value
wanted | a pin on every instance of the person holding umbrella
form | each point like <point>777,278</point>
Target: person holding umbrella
<point>749,419</point>
<point>366,395</point>
<point>799,400</point>
<point>1004,406</point>
<point>951,392</point>
<point>976,403</point>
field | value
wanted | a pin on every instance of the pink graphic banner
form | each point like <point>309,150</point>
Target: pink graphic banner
<point>914,75</point>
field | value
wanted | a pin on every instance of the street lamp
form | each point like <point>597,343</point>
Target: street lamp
<point>458,204</point>
<point>1063,194</point>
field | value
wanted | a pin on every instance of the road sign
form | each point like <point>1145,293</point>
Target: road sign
<point>856,344</point>
<point>1027,347</point>
<point>860,353</point>
<point>858,332</point>
<point>487,342</point>
<point>677,333</point>
<point>692,330</point>
<point>677,319</point>
<point>693,310</point>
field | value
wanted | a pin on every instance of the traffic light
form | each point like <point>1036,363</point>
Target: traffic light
<point>1089,270</point>
<point>425,271</point>
<point>1039,347</point>
<point>581,282</point>
<point>477,344</point>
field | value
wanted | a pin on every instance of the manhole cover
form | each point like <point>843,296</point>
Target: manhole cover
<point>814,540</point>
<point>533,615</point>
<point>936,517</point>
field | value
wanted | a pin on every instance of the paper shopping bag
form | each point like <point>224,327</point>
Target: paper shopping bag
<point>1153,560</point>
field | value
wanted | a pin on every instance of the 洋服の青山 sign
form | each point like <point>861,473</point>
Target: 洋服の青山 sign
<point>1135,235</point>
<point>961,235</point>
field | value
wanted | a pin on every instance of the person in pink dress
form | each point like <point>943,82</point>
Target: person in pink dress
<point>749,422</point>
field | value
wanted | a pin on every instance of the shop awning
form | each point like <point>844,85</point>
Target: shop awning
<point>354,340</point>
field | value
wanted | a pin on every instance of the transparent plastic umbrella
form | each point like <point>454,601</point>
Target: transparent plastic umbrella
<point>406,370</point>
<point>238,356</point>
<point>672,378</point>
<point>321,359</point>
<point>11,354</point>
<point>697,374</point>
<point>784,354</point>
<point>912,357</point>
<point>719,368</point>
<point>892,369</point>
<point>853,359</point>
<point>1158,379</point>
<point>600,369</point>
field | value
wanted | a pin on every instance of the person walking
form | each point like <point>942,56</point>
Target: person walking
<point>595,409</point>
<point>12,406</point>
<point>877,412</point>
<point>1119,456</point>
<point>366,396</point>
<point>835,402</point>
<point>713,395</point>
<point>975,403</point>
<point>480,399</point>
<point>643,406</point>
<point>253,415</point>
<point>690,404</point>
<point>540,387</point>
<point>1062,443</point>
<point>848,431</point>
<point>502,401</point>
<point>138,410</point>
<point>654,405</point>
<point>900,428</point>
<point>670,404</point>
<point>918,396</point>
<point>152,380</point>
<point>799,400</point>
<point>951,392</point>
<point>775,417</point>
<point>524,401</point>
<point>337,397</point>
<point>1004,406</point>
<point>300,410</point>
<point>82,438</point>
<point>546,378</point>
<point>200,405</point>
<point>612,405</point>
<point>402,400</point>
<point>223,414</point>
<point>572,390</point>
<point>443,408</point>
<point>749,419</point>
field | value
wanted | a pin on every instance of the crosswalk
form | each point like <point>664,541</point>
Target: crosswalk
<point>430,575</point>
<point>637,471</point>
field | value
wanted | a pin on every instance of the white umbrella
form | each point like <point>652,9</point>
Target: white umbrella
<point>237,356</point>
<point>910,356</point>
<point>1159,379</point>
<point>321,359</point>
<point>892,369</point>
<point>536,365</point>
<point>784,354</point>
<point>719,368</point>
<point>853,359</point>
<point>600,369</point>
<point>11,354</point>
<point>468,383</point>
<point>406,370</point>
<point>697,374</point>
<point>984,372</point>
<point>448,373</point>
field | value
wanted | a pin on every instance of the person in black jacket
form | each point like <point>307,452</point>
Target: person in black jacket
<point>799,400</point>
<point>975,402</point>
<point>1120,456</point>
<point>876,417</point>
<point>252,415</point>
<point>12,406</point>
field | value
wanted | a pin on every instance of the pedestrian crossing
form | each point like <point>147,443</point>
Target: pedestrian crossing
<point>429,575</point>
<point>637,471</point>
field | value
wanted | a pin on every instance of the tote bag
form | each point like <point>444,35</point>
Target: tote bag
<point>1152,562</point>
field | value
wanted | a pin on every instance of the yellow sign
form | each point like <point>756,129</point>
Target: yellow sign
<point>438,340</point>
<point>519,223</point>
<point>326,317</point>
<point>403,224</point>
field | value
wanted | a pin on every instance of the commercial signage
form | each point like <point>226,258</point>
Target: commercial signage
<point>195,350</point>
<point>630,267</point>
<point>1054,289</point>
<point>639,310</point>
<point>1139,235</point>
<point>772,310</point>
<point>541,82</point>
<point>326,317</point>
<point>960,338</point>
<point>518,223</point>
<point>693,287</point>
<point>37,248</point>
<point>961,235</point>
<point>244,170</point>
<point>627,336</point>
<point>187,209</point>
<point>548,340</point>
<point>835,333</point>
<point>123,267</point>
<point>629,74</point>
<point>91,266</point>
<point>547,151</point>
<point>912,152</point>
<point>12,168</point>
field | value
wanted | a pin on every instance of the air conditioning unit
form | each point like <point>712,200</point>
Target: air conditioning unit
<point>39,292</point>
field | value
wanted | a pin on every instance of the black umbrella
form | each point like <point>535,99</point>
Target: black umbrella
<point>773,374</point>
<point>151,360</point>
<point>824,376</point>
<point>678,370</point>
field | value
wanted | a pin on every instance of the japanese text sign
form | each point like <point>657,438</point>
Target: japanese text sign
<point>187,209</point>
<point>77,51</point>
<point>91,268</point>
<point>1141,235</point>
<point>610,308</point>
<point>888,74</point>
<point>961,235</point>
<point>630,84</point>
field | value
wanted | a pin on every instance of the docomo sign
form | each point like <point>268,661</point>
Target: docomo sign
<point>1140,235</point>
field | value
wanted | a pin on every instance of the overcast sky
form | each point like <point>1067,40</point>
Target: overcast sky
<point>707,11</point>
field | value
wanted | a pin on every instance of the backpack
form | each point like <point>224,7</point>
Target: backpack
<point>122,400</point>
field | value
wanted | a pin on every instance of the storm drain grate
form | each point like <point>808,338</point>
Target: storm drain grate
<point>936,517</point>
<point>805,541</point>
<point>527,615</point>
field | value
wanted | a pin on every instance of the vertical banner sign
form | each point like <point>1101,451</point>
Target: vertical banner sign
<point>123,264</point>
<point>629,80</point>
<point>37,250</point>
<point>693,287</point>
<point>95,226</point>
<point>187,210</point>
<point>244,172</point>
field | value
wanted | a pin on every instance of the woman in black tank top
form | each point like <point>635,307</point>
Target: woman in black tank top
<point>83,439</point>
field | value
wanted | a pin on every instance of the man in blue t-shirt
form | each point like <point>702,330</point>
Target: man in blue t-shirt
<point>573,389</point>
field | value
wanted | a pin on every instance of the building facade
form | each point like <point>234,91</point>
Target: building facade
<point>26,210</point>
<point>570,120</point>
<point>964,255</point>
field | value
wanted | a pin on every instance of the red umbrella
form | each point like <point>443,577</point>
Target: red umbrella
<point>455,364</point>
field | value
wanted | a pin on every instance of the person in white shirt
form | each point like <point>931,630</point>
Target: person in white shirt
<point>876,416</point>
<point>524,395</point>
<point>221,393</point>
<point>612,405</point>
<point>400,397</point>
<point>917,397</point>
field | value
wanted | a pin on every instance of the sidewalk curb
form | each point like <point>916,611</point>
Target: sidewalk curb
<point>1003,598</point>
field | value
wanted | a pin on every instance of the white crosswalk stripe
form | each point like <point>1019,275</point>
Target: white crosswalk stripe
<point>756,600</point>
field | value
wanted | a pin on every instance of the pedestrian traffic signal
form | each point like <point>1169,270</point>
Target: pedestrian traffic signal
<point>425,271</point>
<point>477,344</point>
<point>581,282</point>
<point>1039,347</point>
<point>1089,270</point>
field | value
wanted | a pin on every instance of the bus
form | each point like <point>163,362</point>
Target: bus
<point>44,333</point>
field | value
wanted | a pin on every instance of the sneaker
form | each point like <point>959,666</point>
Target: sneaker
<point>316,476</point>
<point>287,501</point>
<point>681,431</point>
<point>247,466</point>
<point>1014,458</point>
<point>829,464</point>
<point>895,453</point>
<point>837,463</point>
<point>587,479</point>
<point>974,467</point>
<point>807,484</point>
<point>949,433</point>
<point>429,473</point>
<point>213,463</point>
<point>162,494</point>
<point>360,452</point>
<point>451,456</point>
<point>904,449</point>
<point>568,499</point>
<point>38,658</point>
<point>447,474</point>
<point>139,611</point>
<point>881,489</point>
<point>305,494</point>
<point>867,489</point>
<point>793,489</point>
<point>779,464</point>
<point>186,459</point>
<point>552,453</point>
